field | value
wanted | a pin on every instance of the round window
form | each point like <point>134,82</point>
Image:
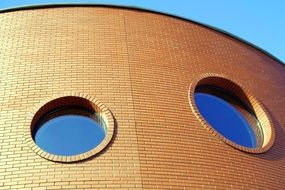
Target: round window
<point>231,113</point>
<point>69,131</point>
<point>228,115</point>
<point>70,128</point>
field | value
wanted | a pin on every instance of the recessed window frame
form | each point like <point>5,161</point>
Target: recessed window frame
<point>69,99</point>
<point>219,80</point>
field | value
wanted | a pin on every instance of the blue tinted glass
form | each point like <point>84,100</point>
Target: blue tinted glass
<point>225,119</point>
<point>69,135</point>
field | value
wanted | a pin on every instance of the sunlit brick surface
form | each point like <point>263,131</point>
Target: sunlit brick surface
<point>140,65</point>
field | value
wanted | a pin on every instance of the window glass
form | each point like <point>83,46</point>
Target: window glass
<point>69,131</point>
<point>227,115</point>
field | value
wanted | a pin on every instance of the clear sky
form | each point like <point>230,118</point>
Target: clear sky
<point>260,22</point>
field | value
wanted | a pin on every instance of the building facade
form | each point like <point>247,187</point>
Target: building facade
<point>142,67</point>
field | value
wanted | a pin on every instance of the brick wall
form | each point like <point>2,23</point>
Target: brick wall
<point>140,65</point>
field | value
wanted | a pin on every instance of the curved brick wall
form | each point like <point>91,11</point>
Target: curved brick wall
<point>140,65</point>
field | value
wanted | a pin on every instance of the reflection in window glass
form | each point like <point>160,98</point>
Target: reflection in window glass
<point>226,114</point>
<point>69,131</point>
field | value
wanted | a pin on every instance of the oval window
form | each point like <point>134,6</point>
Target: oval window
<point>228,115</point>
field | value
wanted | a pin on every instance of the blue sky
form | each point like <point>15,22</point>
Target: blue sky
<point>260,22</point>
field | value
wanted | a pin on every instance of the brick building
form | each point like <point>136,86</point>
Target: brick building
<point>139,70</point>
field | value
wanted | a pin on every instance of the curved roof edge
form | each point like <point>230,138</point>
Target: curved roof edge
<point>51,5</point>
